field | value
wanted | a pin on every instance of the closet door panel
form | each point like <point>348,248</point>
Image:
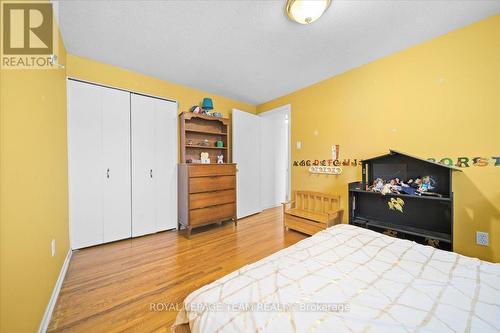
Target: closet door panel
<point>143,165</point>
<point>166,164</point>
<point>116,164</point>
<point>86,174</point>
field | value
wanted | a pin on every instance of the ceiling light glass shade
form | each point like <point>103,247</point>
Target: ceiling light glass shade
<point>306,11</point>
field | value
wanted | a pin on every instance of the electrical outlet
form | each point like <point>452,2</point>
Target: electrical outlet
<point>482,238</point>
<point>53,247</point>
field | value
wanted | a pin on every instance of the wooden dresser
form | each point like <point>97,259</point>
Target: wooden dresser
<point>207,194</point>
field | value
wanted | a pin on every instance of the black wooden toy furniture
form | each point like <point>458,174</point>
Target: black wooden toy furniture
<point>424,217</point>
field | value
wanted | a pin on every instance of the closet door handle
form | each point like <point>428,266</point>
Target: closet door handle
<point>107,173</point>
<point>150,173</point>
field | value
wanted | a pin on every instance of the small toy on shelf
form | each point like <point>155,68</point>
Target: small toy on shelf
<point>220,159</point>
<point>204,143</point>
<point>391,233</point>
<point>386,189</point>
<point>432,242</point>
<point>418,186</point>
<point>205,159</point>
<point>415,183</point>
<point>377,186</point>
<point>195,109</point>
<point>426,185</point>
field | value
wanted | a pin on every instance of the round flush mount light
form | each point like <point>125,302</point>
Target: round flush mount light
<point>306,11</point>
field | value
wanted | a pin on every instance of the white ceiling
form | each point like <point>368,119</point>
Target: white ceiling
<point>249,50</point>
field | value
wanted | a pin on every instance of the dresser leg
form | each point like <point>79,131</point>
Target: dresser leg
<point>188,232</point>
<point>235,221</point>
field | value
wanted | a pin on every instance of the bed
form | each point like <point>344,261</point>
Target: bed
<point>350,279</point>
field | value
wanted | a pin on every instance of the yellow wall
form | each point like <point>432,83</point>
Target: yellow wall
<point>33,192</point>
<point>438,99</point>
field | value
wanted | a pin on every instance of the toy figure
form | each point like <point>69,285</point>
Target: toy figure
<point>204,158</point>
<point>378,185</point>
<point>391,233</point>
<point>426,184</point>
<point>220,159</point>
<point>415,183</point>
<point>395,185</point>
<point>386,189</point>
<point>195,109</point>
<point>204,143</point>
<point>432,242</point>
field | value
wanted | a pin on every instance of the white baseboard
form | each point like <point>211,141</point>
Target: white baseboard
<point>55,293</point>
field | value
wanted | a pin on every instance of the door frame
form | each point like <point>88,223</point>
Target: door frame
<point>287,110</point>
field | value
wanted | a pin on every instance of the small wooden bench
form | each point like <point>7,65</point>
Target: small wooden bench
<point>311,212</point>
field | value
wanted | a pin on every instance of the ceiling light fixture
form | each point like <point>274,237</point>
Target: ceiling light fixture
<point>306,11</point>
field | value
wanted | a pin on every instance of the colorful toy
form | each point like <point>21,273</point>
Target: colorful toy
<point>195,109</point>
<point>378,185</point>
<point>426,185</point>
<point>205,159</point>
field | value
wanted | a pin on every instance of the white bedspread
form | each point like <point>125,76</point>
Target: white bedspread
<point>349,279</point>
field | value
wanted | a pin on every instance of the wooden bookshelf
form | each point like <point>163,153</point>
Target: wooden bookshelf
<point>199,133</point>
<point>207,192</point>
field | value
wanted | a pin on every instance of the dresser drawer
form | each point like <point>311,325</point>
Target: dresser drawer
<point>212,183</point>
<point>201,170</point>
<point>206,199</point>
<point>214,213</point>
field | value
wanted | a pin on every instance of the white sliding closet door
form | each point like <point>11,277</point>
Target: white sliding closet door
<point>86,173</point>
<point>154,164</point>
<point>99,164</point>
<point>166,137</point>
<point>116,161</point>
<point>143,151</point>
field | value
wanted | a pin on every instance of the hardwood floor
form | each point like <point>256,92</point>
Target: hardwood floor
<point>112,287</point>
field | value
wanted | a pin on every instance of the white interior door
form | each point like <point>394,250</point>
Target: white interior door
<point>246,153</point>
<point>154,165</point>
<point>274,156</point>
<point>86,171</point>
<point>116,162</point>
<point>165,172</point>
<point>143,161</point>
